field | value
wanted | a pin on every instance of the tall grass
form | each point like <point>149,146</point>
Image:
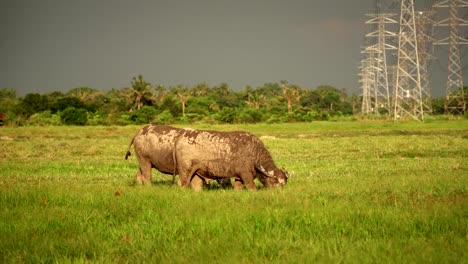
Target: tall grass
<point>358,192</point>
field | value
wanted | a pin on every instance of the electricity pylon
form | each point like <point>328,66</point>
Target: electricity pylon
<point>454,94</point>
<point>408,91</point>
<point>366,82</point>
<point>382,98</point>
<point>424,23</point>
<point>367,79</point>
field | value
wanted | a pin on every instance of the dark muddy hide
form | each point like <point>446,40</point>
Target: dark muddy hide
<point>215,154</point>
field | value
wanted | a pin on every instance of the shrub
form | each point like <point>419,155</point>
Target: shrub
<point>251,116</point>
<point>74,116</point>
<point>276,119</point>
<point>311,116</point>
<point>95,119</point>
<point>226,115</point>
<point>190,118</point>
<point>124,119</point>
<point>164,118</point>
<point>145,115</point>
<point>273,119</point>
<point>45,118</point>
<point>199,105</point>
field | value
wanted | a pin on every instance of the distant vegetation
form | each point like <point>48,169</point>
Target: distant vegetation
<point>143,103</point>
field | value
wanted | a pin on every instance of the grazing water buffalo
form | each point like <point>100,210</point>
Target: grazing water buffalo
<point>215,154</point>
<point>154,148</point>
<point>219,170</point>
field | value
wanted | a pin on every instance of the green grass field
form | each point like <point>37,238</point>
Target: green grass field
<point>359,192</point>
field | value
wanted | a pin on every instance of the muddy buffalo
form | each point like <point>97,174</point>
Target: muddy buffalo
<point>203,156</point>
<point>216,154</point>
<point>154,148</point>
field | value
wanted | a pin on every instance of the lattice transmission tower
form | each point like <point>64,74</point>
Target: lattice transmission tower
<point>424,24</point>
<point>367,79</point>
<point>408,90</point>
<point>454,95</point>
<point>381,89</point>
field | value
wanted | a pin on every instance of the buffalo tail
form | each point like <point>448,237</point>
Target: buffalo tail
<point>128,150</point>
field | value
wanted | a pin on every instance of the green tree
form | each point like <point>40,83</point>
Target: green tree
<point>170,103</point>
<point>53,98</point>
<point>310,99</point>
<point>8,105</point>
<point>93,99</point>
<point>65,102</point>
<point>8,100</point>
<point>330,97</point>
<point>34,103</point>
<point>119,100</point>
<point>7,93</point>
<point>270,90</point>
<point>223,96</point>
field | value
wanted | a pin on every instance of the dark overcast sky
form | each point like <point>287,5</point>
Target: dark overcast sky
<point>57,45</point>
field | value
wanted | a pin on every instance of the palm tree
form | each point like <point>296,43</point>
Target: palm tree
<point>290,93</point>
<point>183,93</point>
<point>159,93</point>
<point>141,91</point>
<point>255,98</point>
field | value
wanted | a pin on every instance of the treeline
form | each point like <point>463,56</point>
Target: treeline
<point>143,103</point>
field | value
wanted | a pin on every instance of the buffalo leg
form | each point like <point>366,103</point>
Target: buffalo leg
<point>248,180</point>
<point>144,175</point>
<point>184,179</point>
<point>184,174</point>
<point>238,185</point>
<point>139,177</point>
<point>197,183</point>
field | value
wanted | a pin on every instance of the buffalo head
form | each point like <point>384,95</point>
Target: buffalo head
<point>274,178</point>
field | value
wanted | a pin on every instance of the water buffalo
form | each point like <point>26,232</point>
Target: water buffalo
<point>216,154</point>
<point>219,170</point>
<point>154,148</point>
